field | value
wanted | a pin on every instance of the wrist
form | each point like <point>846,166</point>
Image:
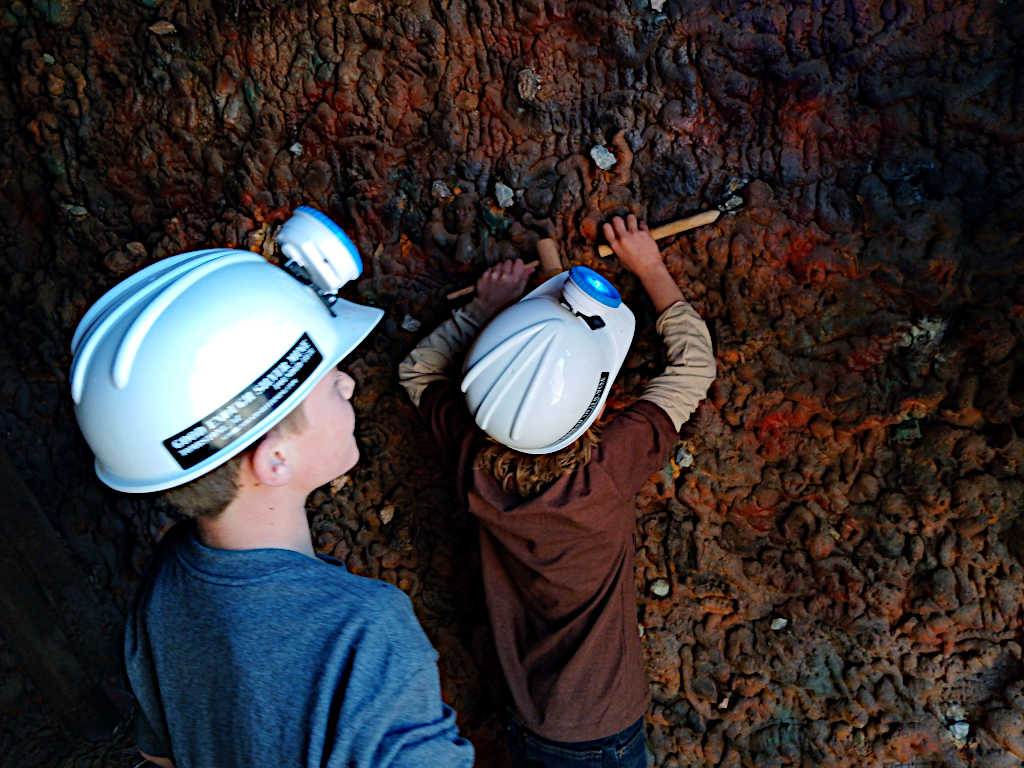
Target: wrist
<point>479,310</point>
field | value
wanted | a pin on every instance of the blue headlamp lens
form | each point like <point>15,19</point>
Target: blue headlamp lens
<point>595,285</point>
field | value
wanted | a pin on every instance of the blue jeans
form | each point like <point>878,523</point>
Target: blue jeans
<point>625,749</point>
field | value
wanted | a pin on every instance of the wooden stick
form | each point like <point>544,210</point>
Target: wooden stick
<point>673,228</point>
<point>550,265</point>
<point>470,288</point>
<point>550,260</point>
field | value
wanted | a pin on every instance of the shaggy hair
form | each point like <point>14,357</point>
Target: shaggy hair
<point>208,495</point>
<point>526,475</point>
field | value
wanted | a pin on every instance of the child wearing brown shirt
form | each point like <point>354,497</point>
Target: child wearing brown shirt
<point>556,528</point>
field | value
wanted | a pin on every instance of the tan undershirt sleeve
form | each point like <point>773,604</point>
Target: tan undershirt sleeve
<point>691,363</point>
<point>429,360</point>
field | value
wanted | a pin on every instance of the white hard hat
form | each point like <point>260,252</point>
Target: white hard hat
<point>538,375</point>
<point>183,365</point>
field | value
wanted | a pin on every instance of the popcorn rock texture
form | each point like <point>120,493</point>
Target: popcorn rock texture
<point>857,466</point>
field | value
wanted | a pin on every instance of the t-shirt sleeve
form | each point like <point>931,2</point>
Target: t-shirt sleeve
<point>423,732</point>
<point>151,733</point>
<point>634,445</point>
<point>147,739</point>
<point>395,715</point>
<point>690,368</point>
<point>437,353</point>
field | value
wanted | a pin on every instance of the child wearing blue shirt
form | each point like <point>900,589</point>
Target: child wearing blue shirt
<point>214,376</point>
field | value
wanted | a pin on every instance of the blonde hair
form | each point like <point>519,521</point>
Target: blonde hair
<point>526,475</point>
<point>208,495</point>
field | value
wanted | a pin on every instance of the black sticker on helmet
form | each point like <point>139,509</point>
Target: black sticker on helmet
<point>602,382</point>
<point>215,431</point>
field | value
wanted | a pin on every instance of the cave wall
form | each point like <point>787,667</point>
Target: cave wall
<point>830,563</point>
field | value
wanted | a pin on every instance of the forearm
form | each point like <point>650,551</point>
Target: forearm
<point>690,367</point>
<point>434,355</point>
<point>660,286</point>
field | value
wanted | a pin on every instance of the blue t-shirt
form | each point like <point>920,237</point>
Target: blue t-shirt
<point>267,657</point>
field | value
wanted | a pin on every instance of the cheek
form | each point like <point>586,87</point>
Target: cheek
<point>346,422</point>
<point>347,438</point>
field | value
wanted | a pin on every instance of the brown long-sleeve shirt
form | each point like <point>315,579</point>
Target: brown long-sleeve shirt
<point>558,567</point>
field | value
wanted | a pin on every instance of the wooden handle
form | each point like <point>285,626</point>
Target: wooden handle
<point>461,292</point>
<point>470,288</point>
<point>673,228</point>
<point>550,260</point>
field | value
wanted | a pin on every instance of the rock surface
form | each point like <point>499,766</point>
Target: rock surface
<point>857,466</point>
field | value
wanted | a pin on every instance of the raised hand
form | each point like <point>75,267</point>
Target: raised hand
<point>502,284</point>
<point>633,244</point>
<point>639,254</point>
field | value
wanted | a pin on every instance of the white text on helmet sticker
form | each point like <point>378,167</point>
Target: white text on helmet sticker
<point>222,426</point>
<point>602,382</point>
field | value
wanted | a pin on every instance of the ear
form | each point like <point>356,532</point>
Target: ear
<point>270,461</point>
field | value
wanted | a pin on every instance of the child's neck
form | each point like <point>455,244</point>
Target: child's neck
<point>271,520</point>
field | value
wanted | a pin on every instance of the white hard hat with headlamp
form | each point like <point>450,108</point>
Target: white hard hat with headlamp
<point>538,375</point>
<point>183,365</point>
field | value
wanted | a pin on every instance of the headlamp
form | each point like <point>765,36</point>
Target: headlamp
<point>595,285</point>
<point>589,295</point>
<point>320,249</point>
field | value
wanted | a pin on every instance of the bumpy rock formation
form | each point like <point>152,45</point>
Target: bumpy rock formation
<point>830,567</point>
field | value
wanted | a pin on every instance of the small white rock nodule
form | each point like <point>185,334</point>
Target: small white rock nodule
<point>162,27</point>
<point>660,587</point>
<point>602,157</point>
<point>440,190</point>
<point>779,623</point>
<point>528,84</point>
<point>77,211</point>
<point>960,730</point>
<point>504,195</point>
